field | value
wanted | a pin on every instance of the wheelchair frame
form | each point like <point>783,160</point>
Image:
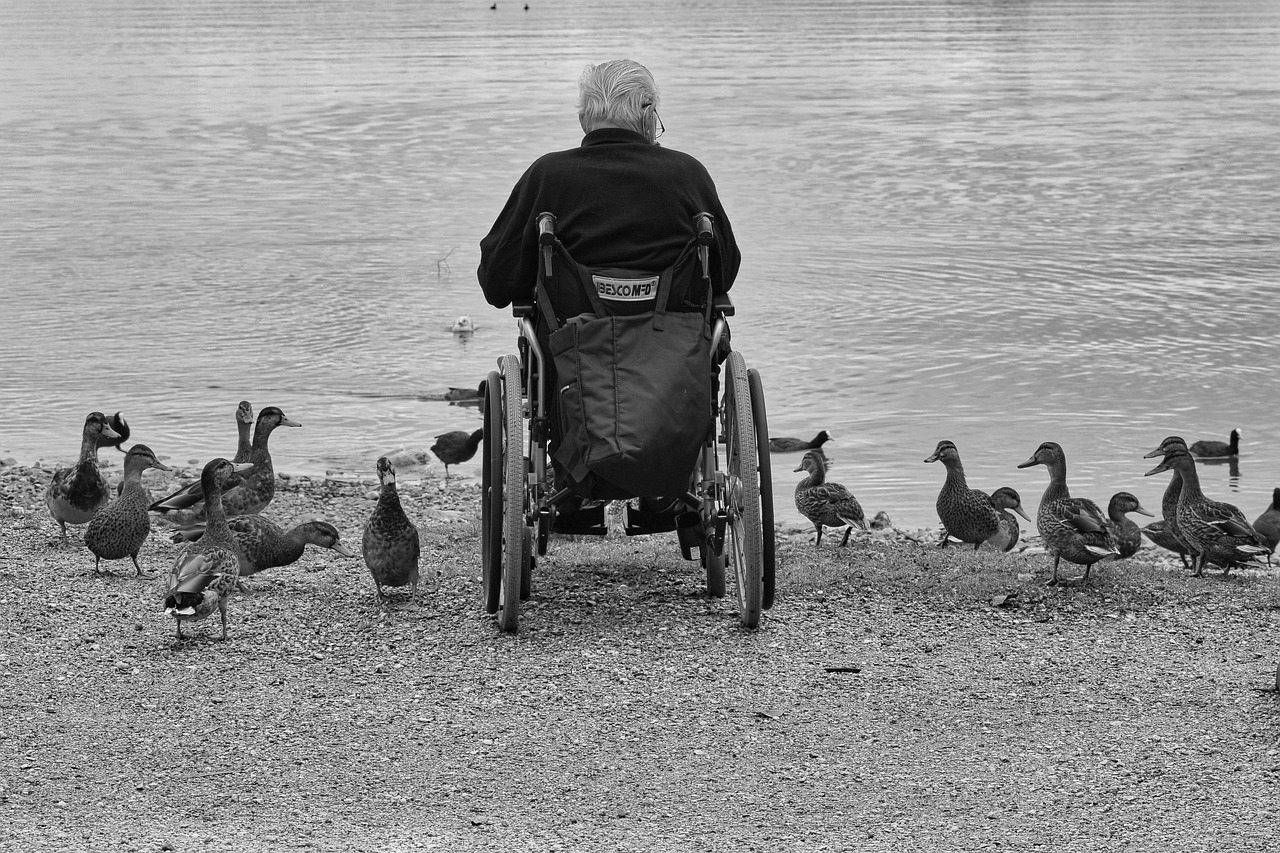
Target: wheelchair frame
<point>732,497</point>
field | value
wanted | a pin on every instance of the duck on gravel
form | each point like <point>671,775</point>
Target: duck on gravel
<point>205,573</point>
<point>967,514</point>
<point>1007,534</point>
<point>787,444</point>
<point>1125,532</point>
<point>824,503</point>
<point>266,545</point>
<point>1159,533</point>
<point>1268,524</point>
<point>119,529</point>
<point>1073,529</point>
<point>1165,532</point>
<point>1211,449</point>
<point>247,496</point>
<point>454,448</point>
<point>1215,531</point>
<point>244,429</point>
<point>391,546</point>
<point>75,494</point>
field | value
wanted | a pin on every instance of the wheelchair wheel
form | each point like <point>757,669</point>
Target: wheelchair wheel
<point>526,563</point>
<point>769,552</point>
<point>744,537</point>
<point>491,504</point>
<point>513,494</point>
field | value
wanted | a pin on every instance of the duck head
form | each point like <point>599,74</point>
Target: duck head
<point>98,427</point>
<point>1007,497</point>
<point>140,456</point>
<point>244,412</point>
<point>386,471</point>
<point>218,471</point>
<point>1049,453</point>
<point>1170,442</point>
<point>272,417</point>
<point>812,462</point>
<point>1176,457</point>
<point>1122,502</point>
<point>946,451</point>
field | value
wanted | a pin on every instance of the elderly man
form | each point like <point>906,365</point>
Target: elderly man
<point>620,200</point>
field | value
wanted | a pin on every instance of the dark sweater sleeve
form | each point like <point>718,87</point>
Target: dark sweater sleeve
<point>509,252</point>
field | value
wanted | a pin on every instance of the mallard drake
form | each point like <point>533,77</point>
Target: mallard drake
<point>75,494</point>
<point>967,514</point>
<point>1216,531</point>
<point>266,545</point>
<point>244,428</point>
<point>1159,533</point>
<point>1127,536</point>
<point>1007,534</point>
<point>1268,524</point>
<point>826,503</point>
<point>1073,529</point>
<point>205,573</point>
<point>786,444</point>
<point>391,546</point>
<point>1210,449</point>
<point>454,448</point>
<point>121,428</point>
<point>246,497</point>
<point>119,528</point>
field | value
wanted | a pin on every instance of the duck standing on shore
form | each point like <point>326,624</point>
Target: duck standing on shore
<point>1214,530</point>
<point>1124,531</point>
<point>266,545</point>
<point>1073,529</point>
<point>1009,532</point>
<point>205,573</point>
<point>120,528</point>
<point>1268,524</point>
<point>1165,532</point>
<point>391,546</point>
<point>826,503</point>
<point>967,514</point>
<point>76,494</point>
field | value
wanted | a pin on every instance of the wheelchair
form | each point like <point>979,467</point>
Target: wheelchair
<point>724,519</point>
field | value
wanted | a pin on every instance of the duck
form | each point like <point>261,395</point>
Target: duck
<point>1125,532</point>
<point>1073,529</point>
<point>266,545</point>
<point>1009,532</point>
<point>456,447</point>
<point>205,573</point>
<point>1268,524</point>
<point>966,514</point>
<point>119,529</point>
<point>826,503</point>
<point>1158,532</point>
<point>1215,531</point>
<point>462,395</point>
<point>121,428</point>
<point>75,494</point>
<point>391,546</point>
<point>786,444</point>
<point>248,496</point>
<point>1210,449</point>
<point>244,429</point>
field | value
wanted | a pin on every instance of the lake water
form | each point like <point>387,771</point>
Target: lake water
<point>998,223</point>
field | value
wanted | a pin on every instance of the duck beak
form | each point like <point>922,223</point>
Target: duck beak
<point>287,422</point>
<point>160,466</point>
<point>798,470</point>
<point>242,467</point>
<point>108,432</point>
<point>1153,454</point>
<point>1140,511</point>
<point>1019,511</point>
<point>1159,468</point>
<point>343,549</point>
<point>932,458</point>
<point>1029,463</point>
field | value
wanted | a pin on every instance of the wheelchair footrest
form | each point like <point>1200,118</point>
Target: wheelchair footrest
<point>588,521</point>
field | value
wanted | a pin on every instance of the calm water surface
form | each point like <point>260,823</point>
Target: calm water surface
<point>998,223</point>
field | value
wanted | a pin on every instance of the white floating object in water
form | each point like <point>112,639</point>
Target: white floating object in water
<point>463,326</point>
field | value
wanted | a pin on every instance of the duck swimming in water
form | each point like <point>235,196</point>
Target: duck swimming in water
<point>787,444</point>
<point>1211,449</point>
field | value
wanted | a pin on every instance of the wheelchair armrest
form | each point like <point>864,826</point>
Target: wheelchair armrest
<point>521,308</point>
<point>722,304</point>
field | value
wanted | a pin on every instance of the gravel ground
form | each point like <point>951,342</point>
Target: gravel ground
<point>969,707</point>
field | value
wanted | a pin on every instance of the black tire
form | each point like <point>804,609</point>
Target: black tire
<point>761,422</point>
<point>513,489</point>
<point>744,538</point>
<point>491,494</point>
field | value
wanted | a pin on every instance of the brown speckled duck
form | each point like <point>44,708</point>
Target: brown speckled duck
<point>248,496</point>
<point>244,431</point>
<point>1125,532</point>
<point>391,546</point>
<point>1007,534</point>
<point>1216,531</point>
<point>1159,533</point>
<point>1073,529</point>
<point>266,545</point>
<point>454,448</point>
<point>120,528</point>
<point>1165,532</point>
<point>824,503</point>
<point>967,514</point>
<point>205,573</point>
<point>1268,524</point>
<point>787,444</point>
<point>75,494</point>
<point>1213,449</point>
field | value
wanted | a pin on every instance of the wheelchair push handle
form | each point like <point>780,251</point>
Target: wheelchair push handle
<point>546,239</point>
<point>702,224</point>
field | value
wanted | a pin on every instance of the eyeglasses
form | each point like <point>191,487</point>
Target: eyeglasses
<point>661,127</point>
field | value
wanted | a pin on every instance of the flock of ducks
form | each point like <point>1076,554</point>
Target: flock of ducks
<point>1202,531</point>
<point>218,519</point>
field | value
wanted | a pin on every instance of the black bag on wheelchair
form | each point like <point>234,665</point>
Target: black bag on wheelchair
<point>634,389</point>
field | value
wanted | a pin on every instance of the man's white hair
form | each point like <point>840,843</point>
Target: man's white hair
<point>619,92</point>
